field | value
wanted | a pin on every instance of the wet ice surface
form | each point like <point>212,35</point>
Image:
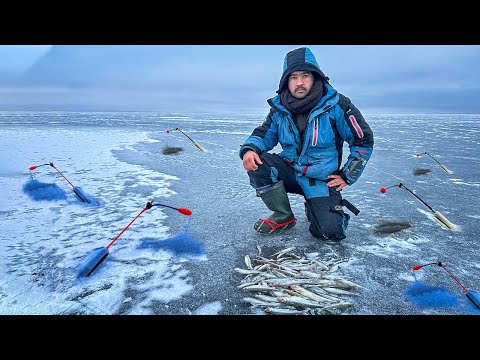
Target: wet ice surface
<point>118,159</point>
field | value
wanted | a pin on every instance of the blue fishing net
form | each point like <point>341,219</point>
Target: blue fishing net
<point>43,191</point>
<point>180,244</point>
<point>424,295</point>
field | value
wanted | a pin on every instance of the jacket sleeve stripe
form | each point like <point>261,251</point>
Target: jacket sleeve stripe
<point>315,133</point>
<point>356,126</point>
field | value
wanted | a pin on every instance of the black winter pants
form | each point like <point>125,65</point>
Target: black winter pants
<point>325,213</point>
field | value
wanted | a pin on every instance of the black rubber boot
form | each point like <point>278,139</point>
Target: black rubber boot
<point>276,199</point>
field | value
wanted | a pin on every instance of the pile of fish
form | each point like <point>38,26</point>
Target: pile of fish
<point>293,284</point>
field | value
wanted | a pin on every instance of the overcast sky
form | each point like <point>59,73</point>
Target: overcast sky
<point>183,78</point>
<point>15,59</point>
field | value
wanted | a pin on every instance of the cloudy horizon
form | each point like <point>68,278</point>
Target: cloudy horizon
<point>209,78</point>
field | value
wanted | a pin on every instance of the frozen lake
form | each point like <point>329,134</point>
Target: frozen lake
<point>118,159</point>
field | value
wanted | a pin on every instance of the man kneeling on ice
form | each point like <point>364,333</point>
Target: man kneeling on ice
<point>311,121</point>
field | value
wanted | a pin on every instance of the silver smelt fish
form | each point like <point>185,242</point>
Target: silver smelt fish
<point>312,274</point>
<point>283,311</point>
<point>289,281</point>
<point>259,288</point>
<point>250,283</point>
<point>293,284</point>
<point>278,273</point>
<point>288,272</point>
<point>258,278</point>
<point>248,262</point>
<point>336,284</point>
<point>311,295</point>
<point>279,293</point>
<point>267,298</point>
<point>261,267</point>
<point>319,291</point>
<point>323,282</point>
<point>340,305</point>
<point>299,301</point>
<point>295,266</point>
<point>289,256</point>
<point>258,302</point>
<point>247,271</point>
<point>351,284</point>
<point>337,291</point>
<point>296,262</point>
<point>284,251</point>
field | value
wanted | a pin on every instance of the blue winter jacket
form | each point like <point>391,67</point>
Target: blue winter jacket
<point>333,121</point>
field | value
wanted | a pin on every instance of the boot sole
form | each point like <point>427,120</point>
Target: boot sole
<point>269,231</point>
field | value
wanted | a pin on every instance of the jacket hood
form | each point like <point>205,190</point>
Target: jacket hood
<point>301,59</point>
